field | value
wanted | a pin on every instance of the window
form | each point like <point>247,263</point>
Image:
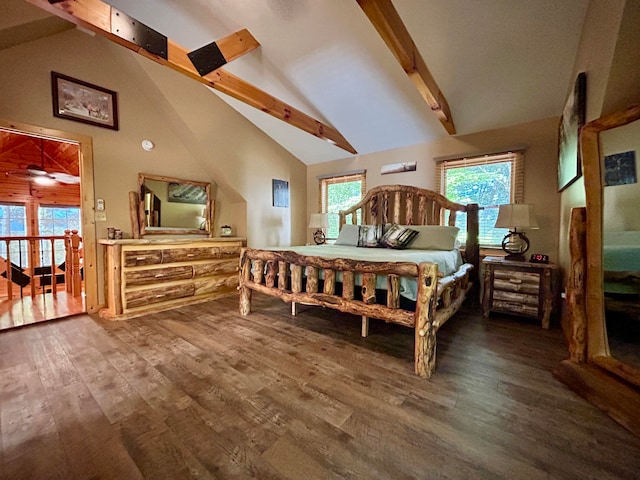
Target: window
<point>339,193</point>
<point>13,223</point>
<point>489,181</point>
<point>53,221</point>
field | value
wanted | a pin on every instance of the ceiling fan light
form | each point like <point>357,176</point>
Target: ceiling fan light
<point>44,181</point>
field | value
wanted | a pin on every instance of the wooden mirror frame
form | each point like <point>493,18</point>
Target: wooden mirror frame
<point>597,343</point>
<point>140,214</point>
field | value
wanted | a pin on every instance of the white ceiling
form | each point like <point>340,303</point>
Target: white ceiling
<point>498,63</point>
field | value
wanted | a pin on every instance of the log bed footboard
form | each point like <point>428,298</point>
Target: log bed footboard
<point>280,274</point>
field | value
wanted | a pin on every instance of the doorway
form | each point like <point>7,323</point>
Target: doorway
<point>30,158</point>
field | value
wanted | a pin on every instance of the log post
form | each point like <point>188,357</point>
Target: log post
<point>329,281</point>
<point>245,276</point>
<point>312,280</point>
<point>270,279</point>
<point>296,278</point>
<point>76,276</point>
<point>348,285</point>
<point>576,308</point>
<point>369,288</point>
<point>393,291</point>
<point>8,270</point>
<point>134,201</point>
<point>425,334</point>
<point>258,271</point>
<point>67,261</point>
<point>282,275</point>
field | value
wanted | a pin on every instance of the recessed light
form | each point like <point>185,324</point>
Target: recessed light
<point>147,145</point>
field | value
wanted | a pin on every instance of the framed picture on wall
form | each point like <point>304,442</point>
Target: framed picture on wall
<point>573,116</point>
<point>280,193</point>
<point>84,102</point>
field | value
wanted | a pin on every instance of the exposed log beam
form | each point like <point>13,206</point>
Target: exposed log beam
<point>389,25</point>
<point>95,15</point>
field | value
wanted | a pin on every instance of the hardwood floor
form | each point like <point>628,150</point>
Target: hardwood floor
<point>41,308</point>
<point>201,392</point>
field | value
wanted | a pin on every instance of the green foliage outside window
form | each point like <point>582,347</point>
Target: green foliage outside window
<point>341,196</point>
<point>487,185</point>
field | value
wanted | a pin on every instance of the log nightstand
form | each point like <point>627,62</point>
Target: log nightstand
<point>519,288</point>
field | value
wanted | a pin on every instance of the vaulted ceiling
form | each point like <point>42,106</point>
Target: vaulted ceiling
<point>497,63</point>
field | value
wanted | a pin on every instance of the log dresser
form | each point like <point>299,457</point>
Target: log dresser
<point>150,275</point>
<point>519,288</point>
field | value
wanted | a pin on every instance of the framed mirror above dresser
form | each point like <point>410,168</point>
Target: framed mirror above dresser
<point>603,291</point>
<point>174,206</point>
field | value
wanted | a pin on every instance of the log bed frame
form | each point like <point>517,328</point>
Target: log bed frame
<point>402,204</point>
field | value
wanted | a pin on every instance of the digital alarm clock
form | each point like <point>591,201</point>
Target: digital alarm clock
<point>539,258</point>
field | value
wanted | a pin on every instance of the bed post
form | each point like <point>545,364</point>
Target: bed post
<point>245,276</point>
<point>472,250</point>
<point>425,333</point>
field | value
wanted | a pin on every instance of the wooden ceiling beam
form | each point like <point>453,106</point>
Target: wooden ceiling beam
<point>386,20</point>
<point>95,15</point>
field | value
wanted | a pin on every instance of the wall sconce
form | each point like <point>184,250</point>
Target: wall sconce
<point>319,221</point>
<point>514,216</point>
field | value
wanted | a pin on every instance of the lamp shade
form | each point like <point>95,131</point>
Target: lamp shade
<point>516,215</point>
<point>319,220</point>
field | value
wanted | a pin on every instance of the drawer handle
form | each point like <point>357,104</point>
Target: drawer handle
<point>160,295</point>
<point>158,275</point>
<point>141,258</point>
<point>191,254</point>
<point>517,281</point>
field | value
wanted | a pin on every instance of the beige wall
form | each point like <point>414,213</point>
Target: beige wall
<point>197,136</point>
<point>539,137</point>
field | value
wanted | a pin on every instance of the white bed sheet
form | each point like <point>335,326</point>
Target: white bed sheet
<point>448,261</point>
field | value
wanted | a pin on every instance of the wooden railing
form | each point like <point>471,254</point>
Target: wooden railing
<point>72,269</point>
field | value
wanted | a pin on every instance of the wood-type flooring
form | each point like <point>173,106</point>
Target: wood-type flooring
<point>201,392</point>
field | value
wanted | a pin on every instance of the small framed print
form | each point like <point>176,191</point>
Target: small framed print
<point>280,193</point>
<point>84,102</point>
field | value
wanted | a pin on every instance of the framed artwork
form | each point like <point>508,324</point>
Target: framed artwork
<point>187,193</point>
<point>573,116</point>
<point>280,193</point>
<point>398,168</point>
<point>84,102</point>
<point>620,169</point>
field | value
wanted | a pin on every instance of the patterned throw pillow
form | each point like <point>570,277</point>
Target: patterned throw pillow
<point>398,237</point>
<point>369,235</point>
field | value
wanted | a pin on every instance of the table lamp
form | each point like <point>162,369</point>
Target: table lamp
<point>514,216</point>
<point>319,221</point>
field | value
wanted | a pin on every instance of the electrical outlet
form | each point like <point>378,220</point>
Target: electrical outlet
<point>100,204</point>
<point>101,216</point>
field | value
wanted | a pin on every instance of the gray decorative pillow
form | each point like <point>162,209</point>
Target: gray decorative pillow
<point>369,235</point>
<point>348,235</point>
<point>434,237</point>
<point>398,237</point>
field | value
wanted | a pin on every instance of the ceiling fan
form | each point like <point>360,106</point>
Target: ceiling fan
<point>39,175</point>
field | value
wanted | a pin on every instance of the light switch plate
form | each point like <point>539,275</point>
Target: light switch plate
<point>101,216</point>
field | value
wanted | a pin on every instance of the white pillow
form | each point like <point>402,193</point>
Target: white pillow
<point>434,237</point>
<point>348,235</point>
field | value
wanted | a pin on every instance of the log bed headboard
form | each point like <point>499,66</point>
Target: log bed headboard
<point>408,205</point>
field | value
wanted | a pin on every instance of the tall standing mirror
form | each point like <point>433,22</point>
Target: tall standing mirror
<point>174,206</point>
<point>610,147</point>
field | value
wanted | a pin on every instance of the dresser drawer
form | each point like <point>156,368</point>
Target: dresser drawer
<point>149,296</point>
<point>173,255</point>
<point>136,258</point>
<point>158,275</point>
<point>517,278</point>
<point>216,267</point>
